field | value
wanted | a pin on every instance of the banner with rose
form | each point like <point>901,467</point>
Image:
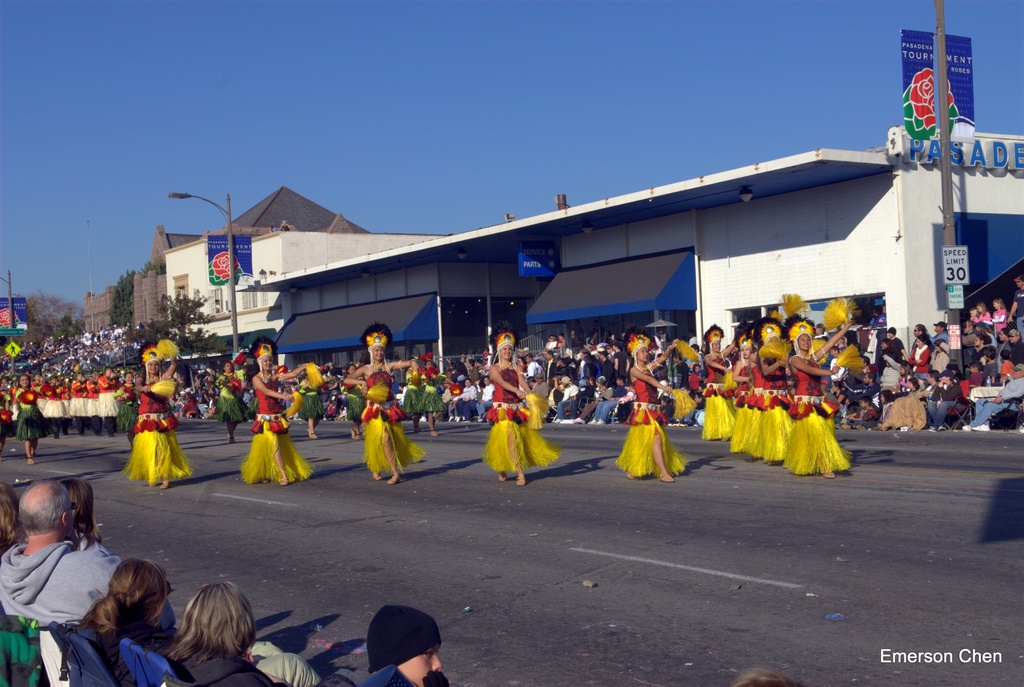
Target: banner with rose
<point>20,314</point>
<point>920,89</point>
<point>219,264</point>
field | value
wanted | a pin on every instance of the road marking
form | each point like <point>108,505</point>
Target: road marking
<point>706,571</point>
<point>61,472</point>
<point>246,498</point>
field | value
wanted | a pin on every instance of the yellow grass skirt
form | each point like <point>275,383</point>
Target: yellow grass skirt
<point>260,465</point>
<point>719,418</point>
<point>511,443</point>
<point>746,419</point>
<point>637,457</point>
<point>378,432</point>
<point>813,448</point>
<point>772,435</point>
<point>155,457</point>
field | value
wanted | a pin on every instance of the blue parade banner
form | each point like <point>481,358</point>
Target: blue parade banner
<point>920,90</point>
<point>538,259</point>
<point>219,265</point>
<point>20,314</point>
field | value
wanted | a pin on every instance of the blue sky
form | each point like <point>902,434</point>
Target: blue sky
<point>435,117</point>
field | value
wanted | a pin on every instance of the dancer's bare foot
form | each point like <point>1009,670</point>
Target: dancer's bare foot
<point>629,476</point>
<point>231,440</point>
<point>377,477</point>
<point>31,460</point>
<point>312,435</point>
<point>433,433</point>
<point>283,483</point>
<point>521,482</point>
<point>667,478</point>
<point>395,479</point>
<point>166,484</point>
<point>502,476</point>
<point>828,475</point>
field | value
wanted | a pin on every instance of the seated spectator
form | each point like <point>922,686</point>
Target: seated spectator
<point>408,639</point>
<point>487,396</point>
<point>999,315</point>
<point>907,412</point>
<point>942,399</point>
<point>1011,395</point>
<point>1005,367</point>
<point>47,578</point>
<point>86,529</point>
<point>1016,347</point>
<point>980,314</point>
<point>865,416</point>
<point>602,394</point>
<point>890,365</point>
<point>132,607</point>
<point>212,646</point>
<point>8,517</point>
<point>569,391</point>
<point>976,378</point>
<point>465,405</point>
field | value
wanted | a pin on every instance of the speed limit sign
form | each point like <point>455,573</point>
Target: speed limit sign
<point>955,269</point>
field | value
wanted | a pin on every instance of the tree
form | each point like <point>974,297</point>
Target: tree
<point>68,327</point>
<point>122,305</point>
<point>179,320</point>
<point>45,312</point>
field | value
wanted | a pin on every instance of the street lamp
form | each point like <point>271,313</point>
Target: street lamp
<point>231,261</point>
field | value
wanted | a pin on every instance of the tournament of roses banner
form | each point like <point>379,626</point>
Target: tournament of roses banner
<point>920,90</point>
<point>20,314</point>
<point>220,264</point>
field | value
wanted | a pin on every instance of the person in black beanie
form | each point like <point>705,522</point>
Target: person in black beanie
<point>409,639</point>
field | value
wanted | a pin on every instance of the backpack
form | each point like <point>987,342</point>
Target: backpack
<point>21,661</point>
<point>147,667</point>
<point>82,660</point>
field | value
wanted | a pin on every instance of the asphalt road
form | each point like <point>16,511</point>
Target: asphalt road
<point>736,565</point>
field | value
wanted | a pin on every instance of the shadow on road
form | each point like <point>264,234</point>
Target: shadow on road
<point>576,467</point>
<point>1005,520</point>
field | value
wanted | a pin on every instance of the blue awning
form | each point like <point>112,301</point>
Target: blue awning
<point>411,319</point>
<point>663,282</point>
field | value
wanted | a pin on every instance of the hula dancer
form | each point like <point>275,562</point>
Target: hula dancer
<point>719,414</point>
<point>31,423</point>
<point>312,410</point>
<point>79,408</point>
<point>108,385</point>
<point>355,403</point>
<point>647,450</point>
<point>53,410</point>
<point>8,427</point>
<point>92,402</point>
<point>273,455</point>
<point>156,456</point>
<point>230,407</point>
<point>387,447</point>
<point>128,414</point>
<point>744,376</point>
<point>514,443</point>
<point>770,430</point>
<point>412,401</point>
<point>431,403</point>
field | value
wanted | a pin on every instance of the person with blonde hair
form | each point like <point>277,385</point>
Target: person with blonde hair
<point>214,641</point>
<point>132,607</point>
<point>764,677</point>
<point>9,530</point>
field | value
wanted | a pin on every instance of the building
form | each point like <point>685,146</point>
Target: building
<point>720,248</point>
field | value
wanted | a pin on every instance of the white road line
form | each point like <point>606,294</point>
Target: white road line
<point>706,571</point>
<point>61,472</point>
<point>246,498</point>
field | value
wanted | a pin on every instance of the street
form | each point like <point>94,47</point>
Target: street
<point>583,577</point>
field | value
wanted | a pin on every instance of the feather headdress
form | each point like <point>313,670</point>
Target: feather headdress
<point>263,346</point>
<point>504,335</point>
<point>636,339</point>
<point>795,326</point>
<point>377,334</point>
<point>714,333</point>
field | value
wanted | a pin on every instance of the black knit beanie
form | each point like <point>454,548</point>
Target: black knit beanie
<point>398,633</point>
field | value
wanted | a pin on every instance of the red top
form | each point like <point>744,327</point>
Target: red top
<point>382,377</point>
<point>755,372</point>
<point>268,405</point>
<point>777,380</point>
<point>645,392</point>
<point>738,369</point>
<point>150,403</point>
<point>920,359</point>
<point>108,385</point>
<point>503,395</point>
<point>807,384</point>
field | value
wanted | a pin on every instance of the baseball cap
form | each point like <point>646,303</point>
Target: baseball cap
<point>566,380</point>
<point>940,324</point>
<point>946,373</point>
<point>1019,367</point>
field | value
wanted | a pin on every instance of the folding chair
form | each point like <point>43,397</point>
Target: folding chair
<point>82,660</point>
<point>1007,418</point>
<point>149,668</point>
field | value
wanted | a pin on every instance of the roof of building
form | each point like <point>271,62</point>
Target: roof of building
<point>286,207</point>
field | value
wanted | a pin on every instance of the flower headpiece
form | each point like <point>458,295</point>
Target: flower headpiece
<point>262,347</point>
<point>377,334</point>
<point>504,335</point>
<point>636,339</point>
<point>714,333</point>
<point>796,326</point>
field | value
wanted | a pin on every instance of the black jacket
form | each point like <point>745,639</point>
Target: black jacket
<point>225,672</point>
<point>145,635</point>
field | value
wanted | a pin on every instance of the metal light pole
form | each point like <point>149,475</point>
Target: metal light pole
<point>10,301</point>
<point>231,262</point>
<point>945,168</point>
<point>92,294</point>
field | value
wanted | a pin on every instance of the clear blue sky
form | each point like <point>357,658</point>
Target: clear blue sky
<point>428,116</point>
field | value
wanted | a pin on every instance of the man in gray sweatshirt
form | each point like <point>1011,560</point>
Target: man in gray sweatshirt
<point>48,579</point>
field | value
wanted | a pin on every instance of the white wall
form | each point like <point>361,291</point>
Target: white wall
<point>628,241</point>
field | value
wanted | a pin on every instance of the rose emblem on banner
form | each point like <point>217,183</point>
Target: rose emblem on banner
<point>5,318</point>
<point>919,107</point>
<point>220,269</point>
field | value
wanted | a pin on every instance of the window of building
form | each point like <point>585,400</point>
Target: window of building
<point>181,286</point>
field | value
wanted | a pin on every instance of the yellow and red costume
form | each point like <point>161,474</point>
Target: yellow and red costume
<point>270,434</point>
<point>770,430</point>
<point>383,419</point>
<point>719,414</point>
<point>745,415</point>
<point>156,455</point>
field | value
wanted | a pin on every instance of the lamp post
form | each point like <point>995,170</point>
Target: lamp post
<point>10,300</point>
<point>231,261</point>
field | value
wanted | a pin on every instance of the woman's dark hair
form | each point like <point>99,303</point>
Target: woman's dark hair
<point>85,525</point>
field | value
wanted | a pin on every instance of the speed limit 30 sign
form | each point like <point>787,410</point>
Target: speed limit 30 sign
<point>954,265</point>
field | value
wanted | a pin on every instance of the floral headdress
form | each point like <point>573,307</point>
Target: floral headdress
<point>636,339</point>
<point>377,334</point>
<point>263,346</point>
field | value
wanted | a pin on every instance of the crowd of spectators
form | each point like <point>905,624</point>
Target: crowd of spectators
<point>88,351</point>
